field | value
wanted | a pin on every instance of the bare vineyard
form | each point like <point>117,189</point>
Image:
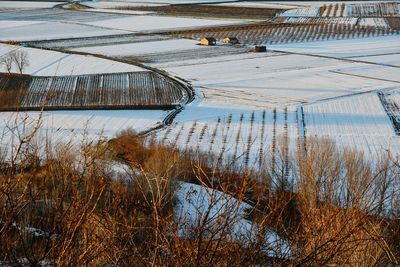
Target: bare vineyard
<point>284,33</point>
<point>391,103</point>
<point>394,23</point>
<point>374,10</point>
<point>318,20</point>
<point>121,90</point>
<point>245,139</point>
<point>357,10</point>
<point>12,89</point>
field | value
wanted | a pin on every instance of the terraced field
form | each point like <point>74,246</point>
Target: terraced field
<point>109,91</point>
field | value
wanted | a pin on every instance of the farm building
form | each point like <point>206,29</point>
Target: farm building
<point>259,48</point>
<point>231,40</point>
<point>208,41</point>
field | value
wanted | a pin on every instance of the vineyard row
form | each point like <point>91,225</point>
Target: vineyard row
<point>285,33</point>
<point>121,90</point>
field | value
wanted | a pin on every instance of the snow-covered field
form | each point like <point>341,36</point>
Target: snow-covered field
<point>117,4</point>
<point>161,23</point>
<point>51,63</point>
<point>223,120</point>
<point>9,24</point>
<point>142,48</point>
<point>75,126</point>
<point>261,4</point>
<point>390,59</point>
<point>372,71</point>
<point>346,48</point>
<point>244,101</point>
<point>272,79</point>
<point>359,122</point>
<point>241,136</point>
<point>18,31</point>
<point>27,4</point>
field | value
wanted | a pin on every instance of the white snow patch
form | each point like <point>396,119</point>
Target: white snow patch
<point>142,48</point>
<point>7,24</point>
<point>51,30</point>
<point>345,48</point>
<point>75,126</point>
<point>204,207</point>
<point>51,63</point>
<point>358,122</point>
<point>27,4</point>
<point>151,23</point>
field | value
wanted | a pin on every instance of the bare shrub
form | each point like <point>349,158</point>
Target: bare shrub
<point>327,207</point>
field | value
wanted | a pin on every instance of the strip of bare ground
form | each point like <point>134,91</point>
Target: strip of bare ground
<point>207,10</point>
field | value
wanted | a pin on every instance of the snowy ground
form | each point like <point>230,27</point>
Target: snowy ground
<point>244,101</point>
<point>217,213</point>
<point>35,30</point>
<point>262,4</point>
<point>275,79</point>
<point>358,122</point>
<point>142,48</point>
<point>116,4</point>
<point>27,4</point>
<point>50,63</point>
<point>158,23</point>
<point>74,126</point>
<point>346,48</point>
<point>322,78</point>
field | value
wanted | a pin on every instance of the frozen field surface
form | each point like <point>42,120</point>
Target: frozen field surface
<point>346,48</point>
<point>274,79</point>
<point>261,4</point>
<point>51,63</point>
<point>383,73</point>
<point>27,4</point>
<point>114,4</point>
<point>65,126</point>
<point>56,14</point>
<point>153,23</point>
<point>390,59</point>
<point>8,24</point>
<point>142,48</point>
<point>14,31</point>
<point>358,122</point>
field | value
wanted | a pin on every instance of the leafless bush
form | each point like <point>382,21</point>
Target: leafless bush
<point>320,206</point>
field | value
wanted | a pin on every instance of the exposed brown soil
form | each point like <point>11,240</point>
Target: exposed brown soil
<point>211,11</point>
